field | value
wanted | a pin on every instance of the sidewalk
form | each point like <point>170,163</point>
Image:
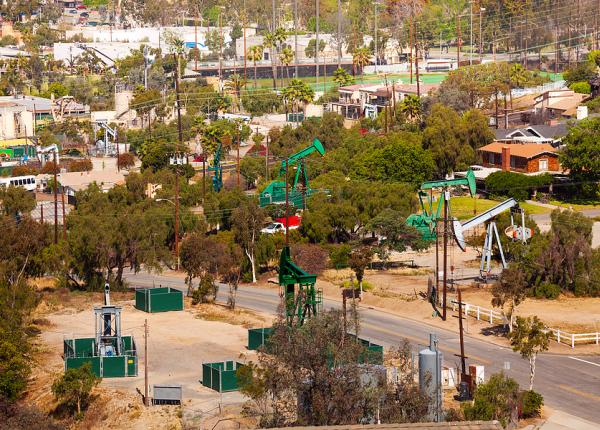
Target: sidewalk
<point>560,420</point>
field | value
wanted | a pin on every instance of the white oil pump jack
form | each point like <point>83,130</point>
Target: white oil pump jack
<point>515,232</point>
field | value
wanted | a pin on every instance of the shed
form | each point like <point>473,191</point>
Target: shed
<point>167,394</point>
<point>162,299</point>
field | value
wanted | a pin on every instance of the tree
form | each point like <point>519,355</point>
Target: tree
<point>360,259</point>
<point>16,201</point>
<point>411,107</point>
<point>251,168</point>
<point>310,50</point>
<point>511,289</point>
<point>581,154</point>
<point>255,53</point>
<point>201,256</point>
<point>360,58</point>
<point>342,78</point>
<point>394,234</point>
<point>496,399</point>
<point>529,338</point>
<point>286,56</point>
<point>296,93</point>
<point>126,161</point>
<point>247,221</point>
<point>235,84</point>
<point>75,387</point>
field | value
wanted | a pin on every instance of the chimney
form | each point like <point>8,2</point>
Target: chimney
<point>506,158</point>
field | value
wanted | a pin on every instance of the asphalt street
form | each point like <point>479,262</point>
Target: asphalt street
<point>568,383</point>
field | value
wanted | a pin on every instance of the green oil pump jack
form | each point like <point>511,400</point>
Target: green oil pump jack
<point>426,221</point>
<point>275,191</point>
<point>217,169</point>
<point>302,299</point>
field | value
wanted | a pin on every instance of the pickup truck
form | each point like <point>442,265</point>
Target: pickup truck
<point>278,225</point>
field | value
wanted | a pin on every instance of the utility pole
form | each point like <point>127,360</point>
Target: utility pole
<point>410,46</point>
<point>203,175</point>
<point>446,195</point>
<point>244,25</point>
<point>180,145</point>
<point>459,41</point>
<point>417,59</point>
<point>267,158</point>
<point>55,200</point>
<point>64,222</point>
<point>146,399</point>
<point>463,364</point>
<point>220,51</point>
<point>287,204</point>
<point>376,43</point>
<point>196,42</point>
<point>317,44</point>
<point>471,28</point>
<point>437,254</point>
<point>339,32</point>
<point>239,141</point>
<point>296,39</point>
<point>41,212</point>
<point>481,10</point>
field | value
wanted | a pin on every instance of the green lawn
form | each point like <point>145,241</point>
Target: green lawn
<point>466,207</point>
<point>577,205</point>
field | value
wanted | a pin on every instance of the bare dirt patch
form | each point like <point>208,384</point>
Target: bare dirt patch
<point>178,344</point>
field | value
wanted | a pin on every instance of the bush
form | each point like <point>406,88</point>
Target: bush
<point>310,257</point>
<point>546,291</point>
<point>516,185</point>
<point>23,171</point>
<point>367,286</point>
<point>593,105</point>
<point>339,255</point>
<point>49,168</point>
<point>494,400</point>
<point>582,87</point>
<point>74,388</point>
<point>261,103</point>
<point>126,160</point>
<point>531,404</point>
<point>84,165</point>
<point>206,291</point>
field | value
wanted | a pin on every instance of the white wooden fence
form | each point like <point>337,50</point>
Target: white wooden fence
<point>561,336</point>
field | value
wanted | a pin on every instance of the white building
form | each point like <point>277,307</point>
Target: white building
<point>15,121</point>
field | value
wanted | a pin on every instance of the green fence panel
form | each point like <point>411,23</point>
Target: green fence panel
<point>84,347</point>
<point>74,363</point>
<point>132,368</point>
<point>165,302</point>
<point>140,300</point>
<point>257,337</point>
<point>114,367</point>
<point>221,376</point>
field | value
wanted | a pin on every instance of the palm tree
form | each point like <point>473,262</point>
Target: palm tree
<point>341,77</point>
<point>360,58</point>
<point>235,84</point>
<point>297,92</point>
<point>286,57</point>
<point>255,53</point>
<point>271,43</point>
<point>517,77</point>
<point>280,37</point>
<point>411,107</point>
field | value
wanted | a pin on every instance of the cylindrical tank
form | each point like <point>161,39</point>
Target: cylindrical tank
<point>430,376</point>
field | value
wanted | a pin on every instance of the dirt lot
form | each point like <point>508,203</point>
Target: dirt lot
<point>178,344</point>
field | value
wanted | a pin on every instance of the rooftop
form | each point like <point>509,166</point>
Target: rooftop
<point>523,150</point>
<point>536,131</point>
<point>39,104</point>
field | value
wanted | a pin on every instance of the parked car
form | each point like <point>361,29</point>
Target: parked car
<point>278,226</point>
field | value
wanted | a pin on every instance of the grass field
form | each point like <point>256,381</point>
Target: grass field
<point>578,205</point>
<point>466,207</point>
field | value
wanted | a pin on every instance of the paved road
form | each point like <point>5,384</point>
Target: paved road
<point>569,383</point>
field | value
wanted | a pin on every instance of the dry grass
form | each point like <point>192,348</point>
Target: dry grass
<point>220,313</point>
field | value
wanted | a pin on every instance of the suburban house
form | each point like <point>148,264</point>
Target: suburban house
<point>47,109</point>
<point>556,105</point>
<point>368,100</point>
<point>551,134</point>
<point>520,157</point>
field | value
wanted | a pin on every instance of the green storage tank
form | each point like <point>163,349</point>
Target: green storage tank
<point>162,299</point>
<point>221,376</point>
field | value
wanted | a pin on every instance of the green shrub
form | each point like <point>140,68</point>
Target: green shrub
<point>581,87</point>
<point>516,185</point>
<point>339,255</point>
<point>593,105</point>
<point>206,291</point>
<point>531,404</point>
<point>547,291</point>
<point>367,286</point>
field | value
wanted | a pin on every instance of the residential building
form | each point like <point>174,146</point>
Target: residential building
<point>47,109</point>
<point>368,100</point>
<point>521,157</point>
<point>15,121</point>
<point>551,134</point>
<point>556,105</point>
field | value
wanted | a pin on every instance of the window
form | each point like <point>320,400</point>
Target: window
<point>543,166</point>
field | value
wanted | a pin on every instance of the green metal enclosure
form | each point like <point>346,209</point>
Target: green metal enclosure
<point>77,352</point>
<point>258,336</point>
<point>162,299</point>
<point>221,376</point>
<point>373,353</point>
